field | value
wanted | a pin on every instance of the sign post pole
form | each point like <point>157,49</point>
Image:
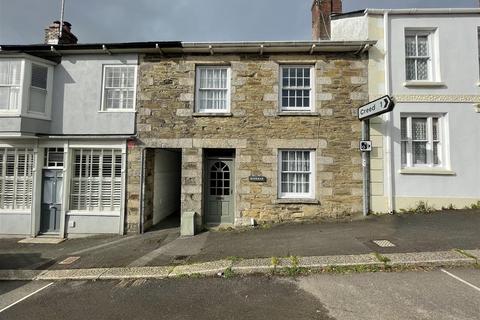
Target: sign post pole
<point>370,110</point>
<point>366,168</point>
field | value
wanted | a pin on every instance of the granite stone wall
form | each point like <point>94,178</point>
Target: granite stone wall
<point>256,130</point>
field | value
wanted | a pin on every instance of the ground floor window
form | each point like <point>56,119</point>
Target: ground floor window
<point>422,140</point>
<point>296,173</point>
<point>96,180</point>
<point>16,178</point>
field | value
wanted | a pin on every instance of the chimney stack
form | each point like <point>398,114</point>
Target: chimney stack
<point>321,12</point>
<point>52,34</point>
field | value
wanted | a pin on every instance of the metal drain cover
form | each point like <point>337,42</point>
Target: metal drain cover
<point>383,243</point>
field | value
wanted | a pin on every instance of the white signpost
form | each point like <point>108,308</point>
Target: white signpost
<point>370,110</point>
<point>375,108</point>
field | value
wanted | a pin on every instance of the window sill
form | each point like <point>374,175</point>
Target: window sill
<point>297,114</point>
<point>296,201</point>
<point>94,213</point>
<point>427,171</point>
<point>424,84</point>
<point>212,114</point>
<point>117,111</point>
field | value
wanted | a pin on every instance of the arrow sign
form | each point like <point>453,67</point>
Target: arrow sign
<point>375,108</point>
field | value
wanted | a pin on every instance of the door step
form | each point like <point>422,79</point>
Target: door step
<point>42,240</point>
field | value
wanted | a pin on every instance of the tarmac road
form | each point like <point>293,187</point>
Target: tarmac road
<point>439,294</point>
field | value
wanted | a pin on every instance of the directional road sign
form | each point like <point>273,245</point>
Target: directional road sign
<point>375,108</point>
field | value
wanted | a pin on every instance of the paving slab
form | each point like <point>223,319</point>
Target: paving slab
<point>207,268</point>
<point>250,266</point>
<point>137,273</point>
<point>21,275</point>
<point>72,274</point>
<point>342,260</point>
<point>439,258</point>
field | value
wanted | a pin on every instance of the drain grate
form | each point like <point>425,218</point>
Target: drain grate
<point>383,243</point>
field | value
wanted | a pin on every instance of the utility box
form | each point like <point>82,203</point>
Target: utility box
<point>187,224</point>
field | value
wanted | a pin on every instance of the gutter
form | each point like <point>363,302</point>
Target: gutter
<point>419,11</point>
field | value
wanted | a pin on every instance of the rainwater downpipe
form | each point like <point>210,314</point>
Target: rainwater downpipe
<point>388,117</point>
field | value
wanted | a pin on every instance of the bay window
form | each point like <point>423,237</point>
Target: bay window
<point>10,84</point>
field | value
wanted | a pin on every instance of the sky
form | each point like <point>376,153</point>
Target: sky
<point>96,21</point>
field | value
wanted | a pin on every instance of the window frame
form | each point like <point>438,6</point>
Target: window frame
<point>43,90</point>
<point>113,180</point>
<point>20,87</point>
<point>312,179</point>
<point>430,33</point>
<point>103,96</point>
<point>197,109</point>
<point>312,97</point>
<point>441,141</point>
<point>27,177</point>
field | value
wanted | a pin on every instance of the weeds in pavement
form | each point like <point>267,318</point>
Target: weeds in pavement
<point>275,262</point>
<point>421,207</point>
<point>475,206</point>
<point>228,273</point>
<point>234,259</point>
<point>449,207</point>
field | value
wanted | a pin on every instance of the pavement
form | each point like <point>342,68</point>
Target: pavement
<point>451,293</point>
<point>407,239</point>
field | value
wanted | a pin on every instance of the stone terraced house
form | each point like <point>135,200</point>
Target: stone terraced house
<point>243,132</point>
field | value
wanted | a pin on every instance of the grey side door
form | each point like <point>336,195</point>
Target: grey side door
<point>52,191</point>
<point>219,200</point>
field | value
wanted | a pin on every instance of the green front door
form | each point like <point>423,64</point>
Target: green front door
<point>219,191</point>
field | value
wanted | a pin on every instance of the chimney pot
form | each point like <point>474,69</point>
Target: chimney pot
<point>52,34</point>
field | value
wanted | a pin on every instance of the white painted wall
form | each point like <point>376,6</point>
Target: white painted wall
<point>167,178</point>
<point>352,28</point>
<point>77,97</point>
<point>456,53</point>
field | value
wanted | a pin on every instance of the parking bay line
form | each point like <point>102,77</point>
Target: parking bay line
<point>26,297</point>
<point>461,280</point>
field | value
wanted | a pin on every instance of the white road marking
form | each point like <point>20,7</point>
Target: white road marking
<point>26,297</point>
<point>461,280</point>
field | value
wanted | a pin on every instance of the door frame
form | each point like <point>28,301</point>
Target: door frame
<point>59,212</point>
<point>233,185</point>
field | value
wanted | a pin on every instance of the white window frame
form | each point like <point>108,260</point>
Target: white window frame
<point>20,87</point>
<point>442,141</point>
<point>294,195</point>
<point>43,90</point>
<point>21,201</point>
<point>114,181</point>
<point>197,89</point>
<point>430,57</point>
<point>311,88</point>
<point>104,76</point>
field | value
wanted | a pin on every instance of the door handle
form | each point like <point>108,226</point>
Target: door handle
<point>52,206</point>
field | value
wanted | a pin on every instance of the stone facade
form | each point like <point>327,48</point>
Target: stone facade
<point>255,129</point>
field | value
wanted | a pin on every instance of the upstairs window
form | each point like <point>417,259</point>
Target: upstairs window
<point>119,88</point>
<point>213,89</point>
<point>10,84</point>
<point>38,89</point>
<point>422,141</point>
<point>296,88</point>
<point>418,55</point>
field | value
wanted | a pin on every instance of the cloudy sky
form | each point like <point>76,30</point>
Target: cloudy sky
<point>23,21</point>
